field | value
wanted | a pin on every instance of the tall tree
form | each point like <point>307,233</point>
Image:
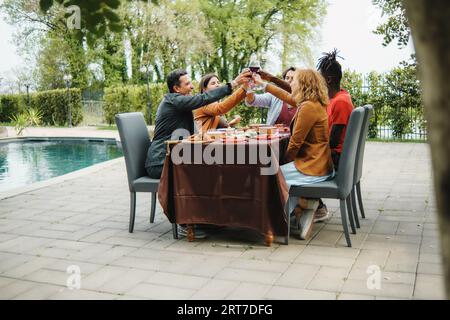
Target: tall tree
<point>46,38</point>
<point>240,28</point>
<point>396,26</point>
<point>430,28</point>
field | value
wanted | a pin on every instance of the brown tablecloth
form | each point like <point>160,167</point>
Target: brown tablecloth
<point>235,195</point>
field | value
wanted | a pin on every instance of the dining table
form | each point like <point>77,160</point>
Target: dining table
<point>232,181</point>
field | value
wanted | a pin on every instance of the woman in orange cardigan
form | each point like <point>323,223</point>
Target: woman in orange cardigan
<point>210,117</point>
<point>308,153</point>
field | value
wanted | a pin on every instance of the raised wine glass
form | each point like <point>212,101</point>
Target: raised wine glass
<point>254,67</point>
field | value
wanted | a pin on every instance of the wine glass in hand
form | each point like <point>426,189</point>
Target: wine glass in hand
<point>254,67</point>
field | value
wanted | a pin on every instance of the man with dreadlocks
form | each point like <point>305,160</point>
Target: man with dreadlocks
<point>338,110</point>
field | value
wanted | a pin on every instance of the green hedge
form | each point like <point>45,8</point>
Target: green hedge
<point>395,95</point>
<point>53,105</point>
<point>10,104</point>
<point>130,99</point>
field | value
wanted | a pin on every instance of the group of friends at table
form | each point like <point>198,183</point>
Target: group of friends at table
<point>310,102</point>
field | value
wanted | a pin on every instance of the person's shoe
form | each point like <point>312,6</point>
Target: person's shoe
<point>307,222</point>
<point>305,203</point>
<point>322,214</point>
<point>294,224</point>
<point>199,234</point>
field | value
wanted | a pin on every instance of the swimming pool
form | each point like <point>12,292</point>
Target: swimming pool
<point>29,160</point>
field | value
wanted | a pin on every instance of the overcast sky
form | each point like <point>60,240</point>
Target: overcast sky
<point>348,26</point>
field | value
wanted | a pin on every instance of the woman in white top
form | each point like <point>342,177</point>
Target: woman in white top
<point>266,100</point>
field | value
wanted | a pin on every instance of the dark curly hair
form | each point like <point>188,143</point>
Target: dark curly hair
<point>330,68</point>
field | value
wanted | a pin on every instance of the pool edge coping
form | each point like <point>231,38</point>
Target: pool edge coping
<point>60,179</point>
<point>65,177</point>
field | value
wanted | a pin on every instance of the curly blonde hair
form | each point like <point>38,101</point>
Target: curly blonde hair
<point>309,85</point>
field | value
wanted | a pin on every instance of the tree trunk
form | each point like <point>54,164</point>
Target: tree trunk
<point>430,28</point>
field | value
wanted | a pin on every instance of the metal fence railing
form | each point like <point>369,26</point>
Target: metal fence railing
<point>399,121</point>
<point>398,115</point>
<point>93,114</point>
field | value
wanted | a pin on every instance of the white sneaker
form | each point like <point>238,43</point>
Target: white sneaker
<point>307,220</point>
<point>199,234</point>
<point>322,214</point>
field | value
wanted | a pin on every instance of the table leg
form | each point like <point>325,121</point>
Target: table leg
<point>269,239</point>
<point>190,233</point>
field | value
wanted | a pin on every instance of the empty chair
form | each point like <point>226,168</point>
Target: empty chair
<point>356,190</point>
<point>135,143</point>
<point>341,185</point>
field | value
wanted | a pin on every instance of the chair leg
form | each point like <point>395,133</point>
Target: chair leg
<point>354,210</point>
<point>344,222</point>
<point>288,215</point>
<point>174,230</point>
<point>152,213</point>
<point>350,214</point>
<point>132,211</point>
<point>358,191</point>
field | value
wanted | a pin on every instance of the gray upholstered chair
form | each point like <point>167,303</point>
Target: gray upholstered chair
<point>340,186</point>
<point>356,190</point>
<point>135,143</point>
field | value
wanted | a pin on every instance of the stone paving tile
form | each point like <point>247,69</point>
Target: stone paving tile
<point>103,276</point>
<point>386,277</point>
<point>323,260</point>
<point>15,288</point>
<point>277,292</point>
<point>177,280</point>
<point>260,265</point>
<point>429,287</point>
<point>206,267</point>
<point>216,289</point>
<point>44,275</point>
<point>22,244</point>
<point>5,281</point>
<point>74,294</point>
<point>30,266</point>
<point>394,290</point>
<point>349,296</point>
<point>329,279</point>
<point>298,276</point>
<point>249,291</point>
<point>159,292</point>
<point>141,263</point>
<point>42,233</point>
<point>11,260</point>
<point>286,254</point>
<point>430,268</point>
<point>263,277</point>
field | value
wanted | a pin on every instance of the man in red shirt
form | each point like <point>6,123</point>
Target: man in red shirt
<point>338,110</point>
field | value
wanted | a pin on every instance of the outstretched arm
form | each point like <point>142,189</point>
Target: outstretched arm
<point>281,94</point>
<point>277,81</point>
<point>189,103</point>
<point>217,109</point>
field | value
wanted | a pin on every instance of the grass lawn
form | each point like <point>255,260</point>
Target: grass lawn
<point>112,127</point>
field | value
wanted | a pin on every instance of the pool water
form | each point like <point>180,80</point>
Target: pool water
<point>28,161</point>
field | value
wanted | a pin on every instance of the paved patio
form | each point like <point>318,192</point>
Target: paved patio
<point>84,222</point>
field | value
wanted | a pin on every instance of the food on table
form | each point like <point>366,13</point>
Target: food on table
<point>268,130</point>
<point>216,134</point>
<point>257,125</point>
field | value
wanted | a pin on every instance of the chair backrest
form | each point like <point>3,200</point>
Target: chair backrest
<point>347,160</point>
<point>135,143</point>
<point>368,110</point>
